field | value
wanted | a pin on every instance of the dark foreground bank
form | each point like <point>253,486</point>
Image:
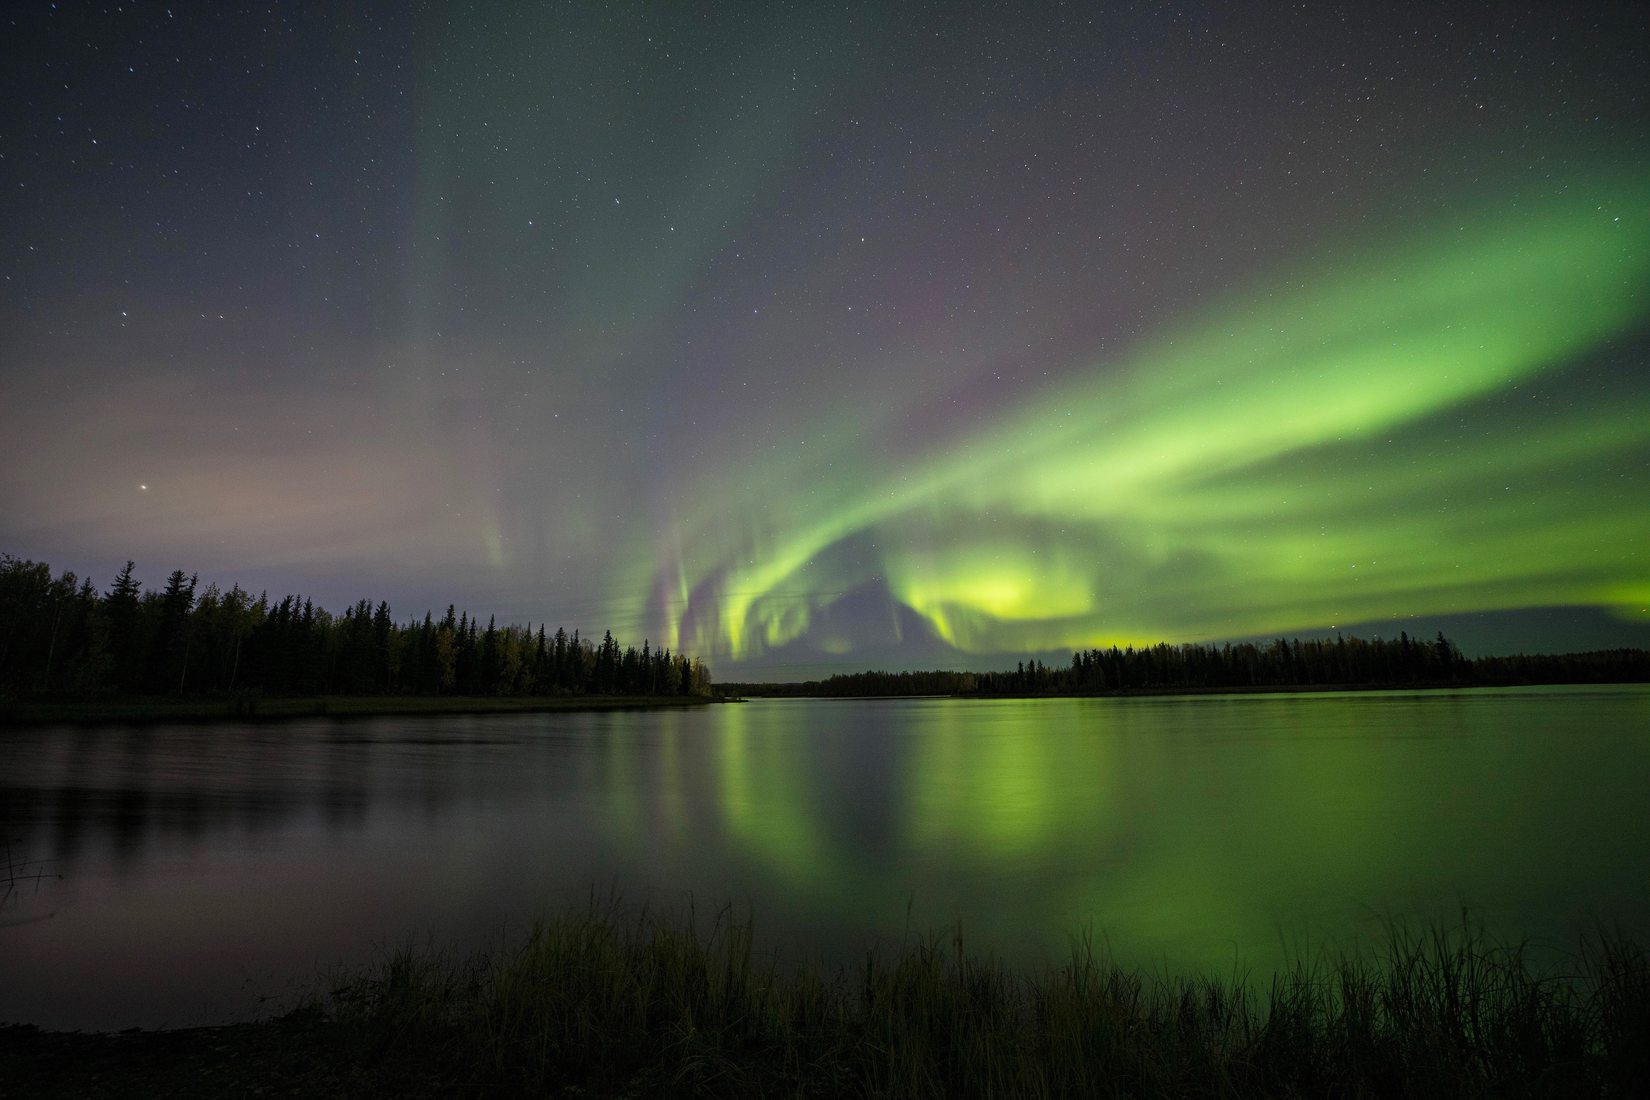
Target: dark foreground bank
<point>597,1004</point>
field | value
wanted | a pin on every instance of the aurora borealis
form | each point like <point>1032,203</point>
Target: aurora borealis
<point>809,338</point>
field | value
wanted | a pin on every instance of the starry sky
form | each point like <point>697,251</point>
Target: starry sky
<point>812,337</point>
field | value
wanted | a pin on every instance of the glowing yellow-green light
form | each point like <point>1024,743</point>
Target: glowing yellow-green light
<point>1235,472</point>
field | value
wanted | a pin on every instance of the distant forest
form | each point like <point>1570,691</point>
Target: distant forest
<point>62,638</point>
<point>1343,662</point>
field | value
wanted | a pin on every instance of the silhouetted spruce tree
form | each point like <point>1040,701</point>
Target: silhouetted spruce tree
<point>487,675</point>
<point>387,646</point>
<point>120,607</point>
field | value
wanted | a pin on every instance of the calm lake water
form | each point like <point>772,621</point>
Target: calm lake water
<point>205,868</point>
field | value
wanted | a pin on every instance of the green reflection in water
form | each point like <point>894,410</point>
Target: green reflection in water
<point>768,807</point>
<point>672,795</point>
<point>1000,792</point>
<point>622,749</point>
<point>1191,832</point>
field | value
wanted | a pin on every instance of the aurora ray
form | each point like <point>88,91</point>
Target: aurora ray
<point>811,337</point>
<point>1233,473</point>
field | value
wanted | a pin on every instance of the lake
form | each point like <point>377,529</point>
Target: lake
<point>204,873</point>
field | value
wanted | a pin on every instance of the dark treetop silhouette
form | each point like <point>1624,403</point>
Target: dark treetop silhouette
<point>60,637</point>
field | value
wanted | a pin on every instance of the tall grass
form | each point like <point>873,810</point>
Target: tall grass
<point>611,1004</point>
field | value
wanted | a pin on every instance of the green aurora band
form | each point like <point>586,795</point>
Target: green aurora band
<point>1383,433</point>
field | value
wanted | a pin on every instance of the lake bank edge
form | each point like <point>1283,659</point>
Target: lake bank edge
<point>149,711</point>
<point>746,692</point>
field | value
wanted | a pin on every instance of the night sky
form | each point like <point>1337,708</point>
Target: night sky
<point>810,337</point>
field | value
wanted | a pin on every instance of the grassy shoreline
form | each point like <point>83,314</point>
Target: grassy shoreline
<point>277,709</point>
<point>600,1003</point>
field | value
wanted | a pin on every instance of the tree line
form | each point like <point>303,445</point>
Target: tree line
<point>1345,661</point>
<point>61,637</point>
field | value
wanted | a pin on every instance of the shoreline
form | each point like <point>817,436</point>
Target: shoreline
<point>151,711</point>
<point>747,692</point>
<point>599,1003</point>
<point>154,711</point>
